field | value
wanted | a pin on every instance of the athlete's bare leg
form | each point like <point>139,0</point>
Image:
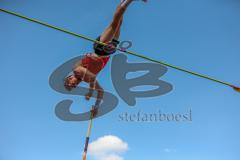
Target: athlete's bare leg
<point>112,29</point>
<point>117,34</point>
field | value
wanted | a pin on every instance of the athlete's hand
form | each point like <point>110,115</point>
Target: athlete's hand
<point>88,96</point>
<point>94,111</point>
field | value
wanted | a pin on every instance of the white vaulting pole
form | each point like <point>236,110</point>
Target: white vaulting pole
<point>88,136</point>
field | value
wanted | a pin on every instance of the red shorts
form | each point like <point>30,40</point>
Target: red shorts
<point>94,63</point>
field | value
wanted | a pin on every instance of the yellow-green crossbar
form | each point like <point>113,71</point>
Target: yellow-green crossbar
<point>128,52</point>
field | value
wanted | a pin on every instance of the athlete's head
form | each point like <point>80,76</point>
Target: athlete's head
<point>71,82</point>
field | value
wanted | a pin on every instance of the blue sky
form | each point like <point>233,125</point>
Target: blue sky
<point>201,35</point>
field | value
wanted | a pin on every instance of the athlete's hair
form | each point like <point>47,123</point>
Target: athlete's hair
<point>69,86</point>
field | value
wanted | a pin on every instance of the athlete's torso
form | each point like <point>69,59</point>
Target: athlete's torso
<point>96,61</point>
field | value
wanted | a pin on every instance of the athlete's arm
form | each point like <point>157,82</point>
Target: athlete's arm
<point>83,74</point>
<point>94,85</point>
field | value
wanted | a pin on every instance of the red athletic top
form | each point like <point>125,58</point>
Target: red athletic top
<point>94,63</point>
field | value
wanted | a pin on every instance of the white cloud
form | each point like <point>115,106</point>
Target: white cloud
<point>108,148</point>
